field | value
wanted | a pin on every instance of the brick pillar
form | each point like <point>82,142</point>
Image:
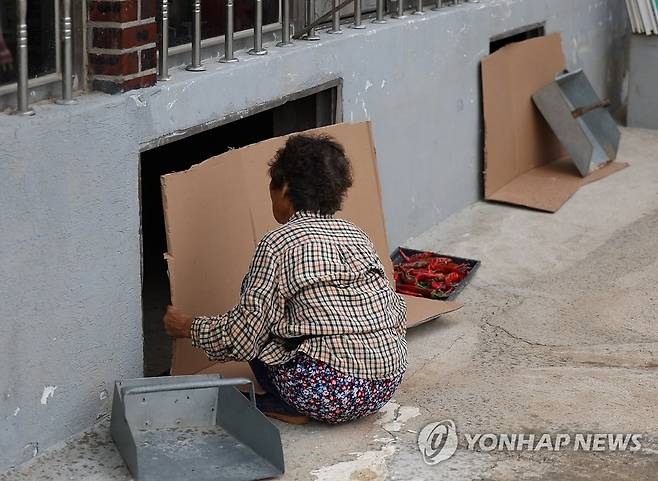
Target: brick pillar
<point>122,44</point>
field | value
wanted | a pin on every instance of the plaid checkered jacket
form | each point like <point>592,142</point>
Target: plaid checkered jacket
<point>316,286</point>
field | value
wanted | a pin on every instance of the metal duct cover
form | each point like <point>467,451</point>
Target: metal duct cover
<point>580,120</point>
<point>193,427</point>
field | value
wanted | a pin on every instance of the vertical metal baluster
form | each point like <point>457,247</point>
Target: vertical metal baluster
<point>163,48</point>
<point>67,56</point>
<point>310,18</point>
<point>379,18</point>
<point>228,35</point>
<point>258,31</point>
<point>22,107</point>
<point>419,8</point>
<point>335,24</point>
<point>196,65</point>
<point>285,25</point>
<point>357,16</point>
<point>438,5</point>
<point>400,11</point>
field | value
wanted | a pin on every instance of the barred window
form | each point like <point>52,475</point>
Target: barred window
<point>42,34</point>
<point>213,18</point>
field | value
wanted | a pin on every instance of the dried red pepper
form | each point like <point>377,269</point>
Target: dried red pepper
<point>413,291</point>
<point>453,277</point>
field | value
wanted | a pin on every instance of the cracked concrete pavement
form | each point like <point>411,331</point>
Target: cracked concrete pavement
<point>559,334</point>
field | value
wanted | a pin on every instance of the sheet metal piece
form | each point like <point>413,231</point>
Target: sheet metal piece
<point>193,427</point>
<point>580,121</point>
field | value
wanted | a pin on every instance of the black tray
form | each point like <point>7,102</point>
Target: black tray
<point>473,266</point>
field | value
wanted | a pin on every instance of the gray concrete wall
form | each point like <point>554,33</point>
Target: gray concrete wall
<point>70,240</point>
<point>643,82</point>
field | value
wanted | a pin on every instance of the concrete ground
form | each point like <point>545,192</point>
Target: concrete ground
<point>559,334</point>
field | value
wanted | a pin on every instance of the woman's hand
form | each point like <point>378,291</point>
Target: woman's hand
<point>176,323</point>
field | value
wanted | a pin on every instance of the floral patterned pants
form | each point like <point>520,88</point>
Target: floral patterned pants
<point>316,389</point>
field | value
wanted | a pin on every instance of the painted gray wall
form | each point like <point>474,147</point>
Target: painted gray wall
<point>69,223</point>
<point>643,81</point>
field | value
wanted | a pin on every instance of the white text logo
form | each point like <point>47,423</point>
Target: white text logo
<point>438,442</point>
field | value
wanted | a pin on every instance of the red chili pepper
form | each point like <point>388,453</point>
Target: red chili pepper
<point>417,272</point>
<point>453,277</point>
<point>448,268</point>
<point>436,262</point>
<point>425,276</point>
<point>405,256</point>
<point>439,294</point>
<point>413,290</point>
<point>422,256</point>
<point>417,265</point>
<point>405,278</point>
<point>442,268</point>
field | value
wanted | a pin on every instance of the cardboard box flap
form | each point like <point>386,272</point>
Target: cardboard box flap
<point>209,245</point>
<point>525,163</point>
<point>548,187</point>
<point>544,188</point>
<point>217,211</point>
<point>421,310</point>
<point>206,261</point>
<point>517,138</point>
<point>599,174</point>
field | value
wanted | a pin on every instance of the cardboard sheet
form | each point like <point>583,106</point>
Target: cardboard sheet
<point>217,211</point>
<point>524,161</point>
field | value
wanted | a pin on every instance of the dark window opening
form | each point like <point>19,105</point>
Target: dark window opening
<point>310,111</point>
<point>213,18</point>
<point>41,47</point>
<point>519,35</point>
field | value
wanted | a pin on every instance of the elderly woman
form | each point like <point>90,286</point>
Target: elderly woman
<point>317,320</point>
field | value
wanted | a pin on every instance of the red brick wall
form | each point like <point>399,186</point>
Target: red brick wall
<point>122,44</point>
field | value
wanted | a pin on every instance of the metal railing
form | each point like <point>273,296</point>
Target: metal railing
<point>309,32</point>
<point>67,55</point>
<point>66,58</point>
<point>22,107</point>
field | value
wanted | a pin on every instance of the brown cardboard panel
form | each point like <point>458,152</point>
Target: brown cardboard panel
<point>208,252</point>
<point>209,245</point>
<point>544,188</point>
<point>517,137</point>
<point>217,211</point>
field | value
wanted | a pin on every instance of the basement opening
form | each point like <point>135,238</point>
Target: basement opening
<point>516,35</point>
<point>309,109</point>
